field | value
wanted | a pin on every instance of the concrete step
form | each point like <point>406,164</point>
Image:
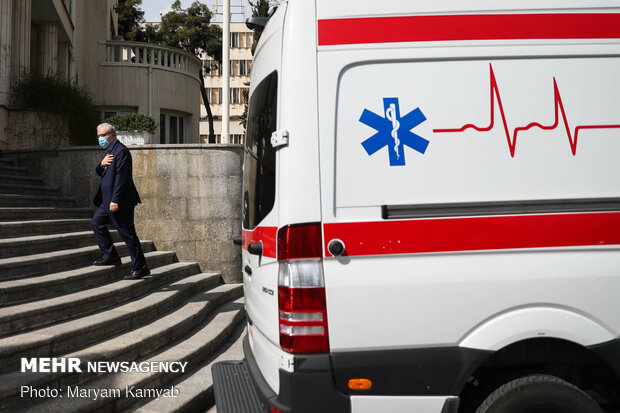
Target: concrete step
<point>14,229</point>
<point>50,262</point>
<point>21,180</point>
<point>28,213</point>
<point>131,346</point>
<point>8,187</point>
<point>13,170</point>
<point>13,200</point>
<point>36,314</point>
<point>194,350</point>
<point>37,244</point>
<point>196,390</point>
<point>52,285</point>
<point>79,333</point>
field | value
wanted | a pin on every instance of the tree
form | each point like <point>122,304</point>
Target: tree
<point>129,18</point>
<point>260,8</point>
<point>191,31</point>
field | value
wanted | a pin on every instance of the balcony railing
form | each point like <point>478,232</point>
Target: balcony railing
<point>139,54</point>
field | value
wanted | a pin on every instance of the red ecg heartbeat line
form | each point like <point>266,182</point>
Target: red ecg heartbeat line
<point>512,141</point>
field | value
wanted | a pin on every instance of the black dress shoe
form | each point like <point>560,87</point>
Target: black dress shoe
<point>138,274</point>
<point>110,261</point>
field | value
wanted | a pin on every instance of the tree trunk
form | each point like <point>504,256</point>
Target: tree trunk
<point>205,101</point>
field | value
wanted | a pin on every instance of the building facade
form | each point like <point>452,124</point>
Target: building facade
<point>78,41</point>
<point>241,39</point>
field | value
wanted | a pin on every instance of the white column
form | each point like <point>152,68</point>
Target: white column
<point>6,28</point>
<point>226,71</point>
<point>47,48</point>
<point>22,10</point>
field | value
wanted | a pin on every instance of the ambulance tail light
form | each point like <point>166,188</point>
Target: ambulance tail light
<point>301,290</point>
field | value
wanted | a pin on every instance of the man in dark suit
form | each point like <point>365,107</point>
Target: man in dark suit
<point>116,199</point>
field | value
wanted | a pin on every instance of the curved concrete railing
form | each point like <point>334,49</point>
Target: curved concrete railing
<point>140,54</point>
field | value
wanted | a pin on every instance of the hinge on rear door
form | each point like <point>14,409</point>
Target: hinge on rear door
<point>279,138</point>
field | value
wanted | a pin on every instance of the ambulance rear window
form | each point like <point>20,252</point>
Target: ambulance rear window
<point>259,171</point>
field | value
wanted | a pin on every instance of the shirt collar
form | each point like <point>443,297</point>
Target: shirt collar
<point>109,150</point>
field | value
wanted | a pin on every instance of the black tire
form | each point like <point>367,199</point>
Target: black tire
<point>539,394</point>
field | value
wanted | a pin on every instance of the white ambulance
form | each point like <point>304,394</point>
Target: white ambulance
<point>431,209</point>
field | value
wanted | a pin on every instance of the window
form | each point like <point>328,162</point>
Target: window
<point>173,129</point>
<point>235,95</point>
<point>259,172</point>
<point>162,128</point>
<point>234,40</point>
<point>181,129</point>
<point>216,96</point>
<point>108,112</point>
<point>243,71</point>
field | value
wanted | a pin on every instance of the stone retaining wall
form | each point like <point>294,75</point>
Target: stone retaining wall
<point>191,195</point>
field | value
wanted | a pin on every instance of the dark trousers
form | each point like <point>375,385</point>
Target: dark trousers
<point>123,222</point>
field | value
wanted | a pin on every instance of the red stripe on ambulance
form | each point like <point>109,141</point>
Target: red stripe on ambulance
<point>475,233</point>
<point>468,27</point>
<point>266,235</point>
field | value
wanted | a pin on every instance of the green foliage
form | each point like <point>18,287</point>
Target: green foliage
<point>260,8</point>
<point>133,122</point>
<point>61,106</point>
<point>191,31</point>
<point>129,18</point>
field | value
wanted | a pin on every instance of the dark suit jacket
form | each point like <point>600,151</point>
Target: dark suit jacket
<point>116,183</point>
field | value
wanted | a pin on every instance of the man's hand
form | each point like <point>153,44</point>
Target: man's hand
<point>113,207</point>
<point>107,160</point>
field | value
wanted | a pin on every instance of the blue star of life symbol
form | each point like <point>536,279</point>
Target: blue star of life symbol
<point>394,131</point>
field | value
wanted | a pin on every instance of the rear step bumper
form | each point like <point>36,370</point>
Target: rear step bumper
<point>234,391</point>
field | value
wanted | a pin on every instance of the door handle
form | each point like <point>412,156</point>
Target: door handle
<point>256,248</point>
<point>248,270</point>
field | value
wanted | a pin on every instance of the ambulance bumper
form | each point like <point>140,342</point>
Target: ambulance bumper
<point>309,389</point>
<point>240,386</point>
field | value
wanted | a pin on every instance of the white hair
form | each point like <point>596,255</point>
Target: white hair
<point>109,127</point>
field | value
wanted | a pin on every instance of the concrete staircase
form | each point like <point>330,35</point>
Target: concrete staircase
<point>55,303</point>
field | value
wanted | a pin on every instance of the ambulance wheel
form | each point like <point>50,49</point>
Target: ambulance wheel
<point>539,394</point>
